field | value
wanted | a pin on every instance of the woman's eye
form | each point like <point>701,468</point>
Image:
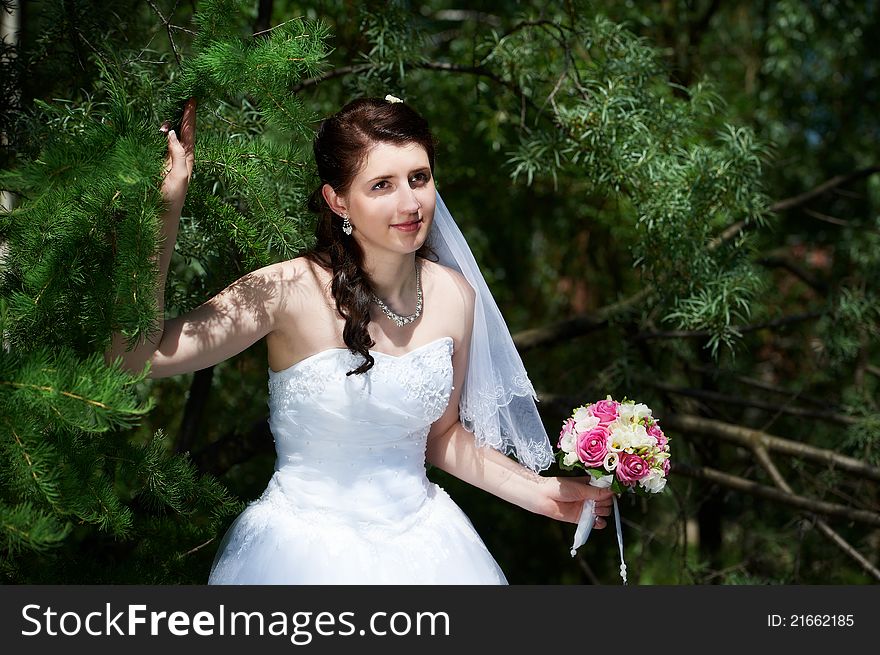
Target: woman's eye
<point>378,185</point>
<point>420,178</point>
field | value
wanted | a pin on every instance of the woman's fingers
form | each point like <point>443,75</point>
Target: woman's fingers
<point>181,147</point>
<point>599,495</point>
<point>567,496</point>
<point>188,133</point>
<point>177,157</point>
<point>578,489</point>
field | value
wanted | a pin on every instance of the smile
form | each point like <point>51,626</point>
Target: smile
<point>408,227</point>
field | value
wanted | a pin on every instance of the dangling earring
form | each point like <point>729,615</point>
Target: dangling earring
<point>346,225</point>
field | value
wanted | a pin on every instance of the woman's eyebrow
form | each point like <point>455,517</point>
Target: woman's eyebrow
<point>384,177</point>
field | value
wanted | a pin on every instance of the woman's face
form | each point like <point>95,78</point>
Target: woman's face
<point>391,200</point>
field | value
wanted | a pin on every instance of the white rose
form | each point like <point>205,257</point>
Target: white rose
<point>642,411</point>
<point>585,424</point>
<point>626,437</point>
<point>625,412</point>
<point>640,437</point>
<point>570,459</point>
<point>618,424</point>
<point>631,436</point>
<point>654,482</point>
<point>567,443</point>
<point>634,412</point>
<point>617,440</point>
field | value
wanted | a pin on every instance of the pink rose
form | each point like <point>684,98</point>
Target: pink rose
<point>631,468</point>
<point>592,446</point>
<point>666,466</point>
<point>657,433</point>
<point>605,411</point>
<point>567,428</point>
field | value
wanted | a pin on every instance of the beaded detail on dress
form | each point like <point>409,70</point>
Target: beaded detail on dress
<point>415,372</point>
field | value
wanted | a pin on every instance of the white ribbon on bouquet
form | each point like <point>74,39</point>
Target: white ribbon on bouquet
<point>588,517</point>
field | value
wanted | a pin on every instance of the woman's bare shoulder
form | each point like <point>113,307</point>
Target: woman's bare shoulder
<point>296,267</point>
<point>450,281</point>
<point>301,280</point>
<point>449,287</point>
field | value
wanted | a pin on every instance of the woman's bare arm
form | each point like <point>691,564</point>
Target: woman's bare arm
<point>454,449</point>
<point>234,319</point>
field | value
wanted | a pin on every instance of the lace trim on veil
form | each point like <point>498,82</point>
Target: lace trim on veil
<point>497,400</point>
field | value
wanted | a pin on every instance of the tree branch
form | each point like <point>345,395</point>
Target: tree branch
<point>745,485</point>
<point>771,261</point>
<point>168,27</point>
<point>796,201</point>
<point>680,334</point>
<point>714,396</point>
<point>766,386</point>
<point>825,187</point>
<point>765,460</point>
<point>576,326</point>
<point>196,401</point>
<point>428,65</point>
<point>329,75</point>
<point>462,15</point>
<point>748,438</point>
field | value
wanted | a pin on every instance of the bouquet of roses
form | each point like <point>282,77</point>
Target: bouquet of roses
<point>621,445</point>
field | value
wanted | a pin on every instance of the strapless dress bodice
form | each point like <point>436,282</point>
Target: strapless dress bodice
<point>339,438</point>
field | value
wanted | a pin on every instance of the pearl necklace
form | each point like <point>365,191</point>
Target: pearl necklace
<point>399,320</point>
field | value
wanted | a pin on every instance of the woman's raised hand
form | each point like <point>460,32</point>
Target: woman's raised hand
<point>180,159</point>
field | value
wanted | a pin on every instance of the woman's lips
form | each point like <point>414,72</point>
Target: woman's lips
<point>408,227</point>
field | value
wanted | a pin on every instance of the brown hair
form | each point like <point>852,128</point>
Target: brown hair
<point>341,146</point>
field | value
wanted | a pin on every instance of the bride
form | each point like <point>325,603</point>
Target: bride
<point>386,351</point>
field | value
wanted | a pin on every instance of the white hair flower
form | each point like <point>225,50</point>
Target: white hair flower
<point>392,99</point>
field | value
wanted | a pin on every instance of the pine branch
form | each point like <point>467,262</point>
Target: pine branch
<point>32,465</point>
<point>83,394</point>
<point>25,528</point>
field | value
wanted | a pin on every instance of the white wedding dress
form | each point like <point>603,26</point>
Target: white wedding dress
<point>349,502</point>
